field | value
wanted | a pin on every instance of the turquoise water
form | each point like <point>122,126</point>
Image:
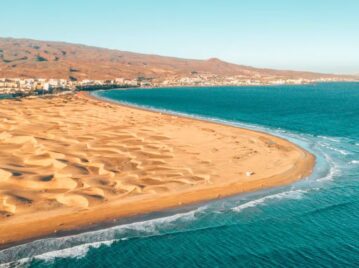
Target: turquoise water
<point>312,223</point>
<point>5,96</point>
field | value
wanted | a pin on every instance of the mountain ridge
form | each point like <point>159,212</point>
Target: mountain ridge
<point>29,58</point>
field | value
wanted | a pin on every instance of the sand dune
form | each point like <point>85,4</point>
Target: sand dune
<point>71,161</point>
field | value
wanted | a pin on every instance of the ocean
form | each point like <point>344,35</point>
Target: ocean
<point>311,223</point>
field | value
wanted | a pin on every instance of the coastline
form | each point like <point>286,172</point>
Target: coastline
<point>64,219</point>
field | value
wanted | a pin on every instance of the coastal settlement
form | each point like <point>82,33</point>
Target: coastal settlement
<point>18,87</point>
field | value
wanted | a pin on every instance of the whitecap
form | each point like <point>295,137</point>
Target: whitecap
<point>18,264</point>
<point>151,225</point>
<point>340,151</point>
<point>330,138</point>
<point>292,194</point>
<point>76,252</point>
<point>79,244</point>
<point>333,169</point>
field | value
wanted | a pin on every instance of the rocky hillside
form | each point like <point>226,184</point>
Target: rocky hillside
<point>42,59</point>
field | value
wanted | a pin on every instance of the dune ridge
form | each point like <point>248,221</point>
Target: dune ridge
<point>73,161</point>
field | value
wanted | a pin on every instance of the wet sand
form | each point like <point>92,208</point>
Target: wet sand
<point>69,162</point>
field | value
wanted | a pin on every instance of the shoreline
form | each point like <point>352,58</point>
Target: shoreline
<point>95,216</point>
<point>180,115</point>
<point>172,87</point>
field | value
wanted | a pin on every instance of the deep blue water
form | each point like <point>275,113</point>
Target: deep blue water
<point>312,223</point>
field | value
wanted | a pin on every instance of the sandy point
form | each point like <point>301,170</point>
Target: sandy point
<point>68,162</point>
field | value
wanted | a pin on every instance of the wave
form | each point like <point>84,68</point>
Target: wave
<point>340,151</point>
<point>292,194</point>
<point>150,226</point>
<point>72,252</point>
<point>78,245</point>
<point>354,162</point>
<point>333,169</point>
<point>330,139</point>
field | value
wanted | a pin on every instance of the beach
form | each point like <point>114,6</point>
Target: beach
<point>70,162</point>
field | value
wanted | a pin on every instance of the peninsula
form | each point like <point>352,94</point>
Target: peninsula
<point>69,162</point>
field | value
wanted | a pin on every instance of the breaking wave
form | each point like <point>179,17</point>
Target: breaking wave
<point>292,194</point>
<point>77,246</point>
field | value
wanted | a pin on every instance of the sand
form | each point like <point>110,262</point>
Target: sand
<point>69,162</point>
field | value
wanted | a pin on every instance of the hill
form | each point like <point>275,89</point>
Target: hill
<point>26,58</point>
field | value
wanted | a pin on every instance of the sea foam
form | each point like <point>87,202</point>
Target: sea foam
<point>292,194</point>
<point>73,252</point>
<point>77,252</point>
<point>77,246</point>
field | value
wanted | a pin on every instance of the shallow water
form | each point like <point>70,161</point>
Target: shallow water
<point>312,223</point>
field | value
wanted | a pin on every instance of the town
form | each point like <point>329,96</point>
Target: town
<point>19,87</point>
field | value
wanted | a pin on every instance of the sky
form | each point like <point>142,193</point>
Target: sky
<point>313,35</point>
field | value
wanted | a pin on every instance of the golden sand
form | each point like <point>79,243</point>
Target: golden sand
<point>68,162</point>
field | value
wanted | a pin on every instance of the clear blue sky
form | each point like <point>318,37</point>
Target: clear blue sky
<point>317,35</point>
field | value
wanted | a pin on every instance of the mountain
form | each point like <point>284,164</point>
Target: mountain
<point>27,58</point>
